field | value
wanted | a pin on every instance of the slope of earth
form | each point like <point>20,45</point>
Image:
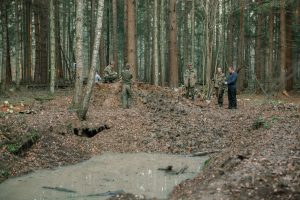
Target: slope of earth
<point>256,147</point>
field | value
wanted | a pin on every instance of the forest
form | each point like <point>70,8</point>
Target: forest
<point>55,115</point>
<point>158,39</point>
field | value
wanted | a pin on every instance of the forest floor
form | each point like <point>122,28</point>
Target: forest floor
<point>257,146</point>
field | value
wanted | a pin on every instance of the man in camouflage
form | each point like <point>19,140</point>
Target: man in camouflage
<point>109,74</point>
<point>190,78</point>
<point>126,86</point>
<point>219,86</point>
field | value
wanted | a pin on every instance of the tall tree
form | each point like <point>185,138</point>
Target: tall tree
<point>173,62</point>
<point>193,33</point>
<point>271,49</point>
<point>18,44</point>
<point>79,56</point>
<point>5,43</point>
<point>241,49</point>
<point>115,33</point>
<point>88,93</point>
<point>162,42</point>
<point>282,45</point>
<point>58,48</point>
<point>155,44</point>
<point>186,35</point>
<point>258,45</point>
<point>52,46</point>
<point>289,47</point>
<point>27,43</point>
<point>131,37</point>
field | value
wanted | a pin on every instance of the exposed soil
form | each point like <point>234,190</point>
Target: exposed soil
<point>257,150</point>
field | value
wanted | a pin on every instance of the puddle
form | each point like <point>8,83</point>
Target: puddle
<point>104,176</point>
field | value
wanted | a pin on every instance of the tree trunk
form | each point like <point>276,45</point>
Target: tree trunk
<point>155,44</point>
<point>241,51</point>
<point>115,34</point>
<point>27,42</point>
<point>282,46</point>
<point>52,46</point>
<point>41,19</point>
<point>131,37</point>
<point>186,34</point>
<point>289,50</point>
<point>18,44</point>
<point>5,42</point>
<point>126,32</point>
<point>270,72</point>
<point>173,62</point>
<point>85,102</point>
<point>58,47</point>
<point>193,33</point>
<point>230,36</point>
<point>147,37</point>
<point>102,55</point>
<point>162,43</point>
<point>92,32</point>
<point>79,56</point>
<point>258,63</point>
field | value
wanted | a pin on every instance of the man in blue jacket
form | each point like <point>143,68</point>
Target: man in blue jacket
<point>231,83</point>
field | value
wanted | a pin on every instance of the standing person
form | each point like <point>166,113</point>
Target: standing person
<point>126,86</point>
<point>109,74</point>
<point>219,86</point>
<point>231,83</point>
<point>190,78</point>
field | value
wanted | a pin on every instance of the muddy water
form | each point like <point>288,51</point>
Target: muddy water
<point>104,176</point>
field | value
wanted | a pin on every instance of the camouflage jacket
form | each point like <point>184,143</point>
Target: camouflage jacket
<point>220,80</point>
<point>126,76</point>
<point>108,71</point>
<point>190,77</point>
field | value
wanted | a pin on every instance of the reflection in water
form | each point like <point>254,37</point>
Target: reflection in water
<point>104,176</point>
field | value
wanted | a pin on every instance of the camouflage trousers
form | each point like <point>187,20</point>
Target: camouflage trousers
<point>190,92</point>
<point>126,95</point>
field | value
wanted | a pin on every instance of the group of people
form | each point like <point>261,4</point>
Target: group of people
<point>220,81</point>
<point>190,79</point>
<point>110,76</point>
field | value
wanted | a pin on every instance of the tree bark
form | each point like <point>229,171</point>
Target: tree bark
<point>92,32</point>
<point>289,49</point>
<point>270,72</point>
<point>230,35</point>
<point>162,43</point>
<point>52,46</point>
<point>147,36</point>
<point>173,62</point>
<point>186,35</point>
<point>115,34</point>
<point>85,102</point>
<point>5,42</point>
<point>155,44</point>
<point>18,44</point>
<point>58,46</point>
<point>241,49</point>
<point>282,85</point>
<point>27,41</point>
<point>131,37</point>
<point>193,33</point>
<point>258,62</point>
<point>125,52</point>
<point>79,56</point>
